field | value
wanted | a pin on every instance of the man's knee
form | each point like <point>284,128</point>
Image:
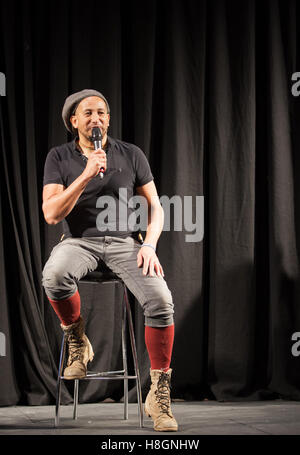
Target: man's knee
<point>57,283</point>
<point>159,311</point>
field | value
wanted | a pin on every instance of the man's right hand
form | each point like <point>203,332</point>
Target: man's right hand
<point>96,161</point>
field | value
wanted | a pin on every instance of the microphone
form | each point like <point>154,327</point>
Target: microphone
<point>97,140</point>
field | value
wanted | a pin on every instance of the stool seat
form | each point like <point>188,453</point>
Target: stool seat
<point>100,274</point>
<point>104,275</point>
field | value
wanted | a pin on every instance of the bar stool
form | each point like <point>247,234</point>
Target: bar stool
<point>104,275</point>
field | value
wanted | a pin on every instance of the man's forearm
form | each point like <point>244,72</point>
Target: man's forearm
<point>59,206</point>
<point>155,225</point>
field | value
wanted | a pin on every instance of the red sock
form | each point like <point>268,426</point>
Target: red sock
<point>68,310</point>
<point>159,343</point>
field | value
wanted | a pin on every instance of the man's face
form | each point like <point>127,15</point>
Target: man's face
<point>91,112</point>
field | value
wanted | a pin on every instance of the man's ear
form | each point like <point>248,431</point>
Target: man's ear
<point>74,121</point>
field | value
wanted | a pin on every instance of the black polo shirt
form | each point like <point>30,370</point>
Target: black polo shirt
<point>127,168</point>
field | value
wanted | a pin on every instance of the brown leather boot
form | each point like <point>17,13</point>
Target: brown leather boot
<point>79,349</point>
<point>158,401</point>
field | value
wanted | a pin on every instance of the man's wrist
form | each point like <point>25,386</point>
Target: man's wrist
<point>85,179</point>
<point>150,245</point>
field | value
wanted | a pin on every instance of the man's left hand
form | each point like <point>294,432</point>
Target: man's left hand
<point>148,259</point>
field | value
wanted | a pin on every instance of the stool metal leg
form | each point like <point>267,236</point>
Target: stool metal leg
<point>76,386</point>
<point>58,387</point>
<point>135,360</point>
<point>124,355</point>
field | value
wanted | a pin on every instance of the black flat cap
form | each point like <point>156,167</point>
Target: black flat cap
<point>72,102</point>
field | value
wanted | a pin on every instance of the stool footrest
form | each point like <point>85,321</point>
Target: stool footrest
<point>103,373</point>
<point>102,376</point>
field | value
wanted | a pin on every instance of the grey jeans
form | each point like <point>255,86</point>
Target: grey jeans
<point>73,258</point>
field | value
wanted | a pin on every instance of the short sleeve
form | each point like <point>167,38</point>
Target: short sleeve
<point>52,169</point>
<point>142,168</point>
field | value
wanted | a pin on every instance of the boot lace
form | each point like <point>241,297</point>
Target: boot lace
<point>163,393</point>
<point>75,349</point>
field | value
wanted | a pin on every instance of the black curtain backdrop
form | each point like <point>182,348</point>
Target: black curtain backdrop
<point>204,88</point>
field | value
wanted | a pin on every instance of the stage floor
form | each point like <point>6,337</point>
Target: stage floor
<point>194,418</point>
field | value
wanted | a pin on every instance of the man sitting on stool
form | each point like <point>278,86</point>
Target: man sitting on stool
<point>72,186</point>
